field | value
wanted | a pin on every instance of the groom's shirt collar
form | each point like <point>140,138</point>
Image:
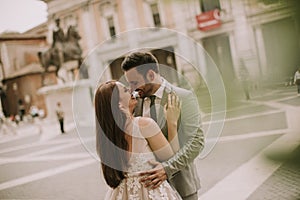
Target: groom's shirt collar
<point>159,93</point>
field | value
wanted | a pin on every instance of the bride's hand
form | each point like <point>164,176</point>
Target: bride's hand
<point>172,108</point>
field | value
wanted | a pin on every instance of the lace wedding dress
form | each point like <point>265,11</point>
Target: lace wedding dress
<point>130,188</point>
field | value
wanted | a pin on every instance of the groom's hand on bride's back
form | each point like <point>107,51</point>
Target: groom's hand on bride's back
<point>153,177</point>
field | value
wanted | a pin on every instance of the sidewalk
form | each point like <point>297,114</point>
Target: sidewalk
<point>274,173</point>
<point>284,183</point>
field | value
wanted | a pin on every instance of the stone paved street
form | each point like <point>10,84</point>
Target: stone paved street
<point>256,157</point>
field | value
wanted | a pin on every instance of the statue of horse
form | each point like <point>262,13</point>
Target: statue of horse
<point>71,51</point>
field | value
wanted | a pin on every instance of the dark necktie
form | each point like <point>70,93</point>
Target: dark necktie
<point>139,107</point>
<point>152,108</point>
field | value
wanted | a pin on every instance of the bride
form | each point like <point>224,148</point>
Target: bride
<point>126,145</point>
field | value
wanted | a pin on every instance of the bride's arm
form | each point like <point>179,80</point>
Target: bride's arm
<point>163,148</point>
<point>155,138</point>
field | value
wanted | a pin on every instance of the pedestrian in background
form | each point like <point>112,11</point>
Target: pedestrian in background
<point>21,108</point>
<point>60,116</point>
<point>297,80</point>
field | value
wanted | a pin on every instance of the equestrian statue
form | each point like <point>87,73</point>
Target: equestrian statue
<point>63,49</point>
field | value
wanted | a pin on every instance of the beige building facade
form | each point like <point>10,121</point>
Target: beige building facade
<point>265,34</point>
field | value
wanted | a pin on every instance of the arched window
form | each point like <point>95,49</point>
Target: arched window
<point>155,15</point>
<point>111,26</point>
<point>109,18</point>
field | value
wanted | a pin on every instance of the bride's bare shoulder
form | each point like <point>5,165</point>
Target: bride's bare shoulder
<point>145,121</point>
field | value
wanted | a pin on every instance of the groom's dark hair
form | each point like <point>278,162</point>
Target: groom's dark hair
<point>144,61</point>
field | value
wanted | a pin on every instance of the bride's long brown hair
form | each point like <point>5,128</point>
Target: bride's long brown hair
<point>112,147</point>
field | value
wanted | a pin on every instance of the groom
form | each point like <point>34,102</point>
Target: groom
<point>141,70</point>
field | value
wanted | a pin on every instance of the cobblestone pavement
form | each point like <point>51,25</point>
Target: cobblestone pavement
<point>284,183</point>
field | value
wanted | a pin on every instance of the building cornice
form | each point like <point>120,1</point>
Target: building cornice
<point>11,37</point>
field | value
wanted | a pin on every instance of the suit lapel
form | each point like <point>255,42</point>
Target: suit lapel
<point>161,118</point>
<point>163,102</point>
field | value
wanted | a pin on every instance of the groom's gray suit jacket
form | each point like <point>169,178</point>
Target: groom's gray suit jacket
<point>180,169</point>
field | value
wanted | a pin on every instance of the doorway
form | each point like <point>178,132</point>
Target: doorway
<point>218,48</point>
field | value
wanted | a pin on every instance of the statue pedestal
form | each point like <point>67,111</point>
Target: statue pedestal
<point>67,71</point>
<point>75,98</point>
<point>83,108</point>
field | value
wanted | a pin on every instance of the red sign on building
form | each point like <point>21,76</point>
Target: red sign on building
<point>208,20</point>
